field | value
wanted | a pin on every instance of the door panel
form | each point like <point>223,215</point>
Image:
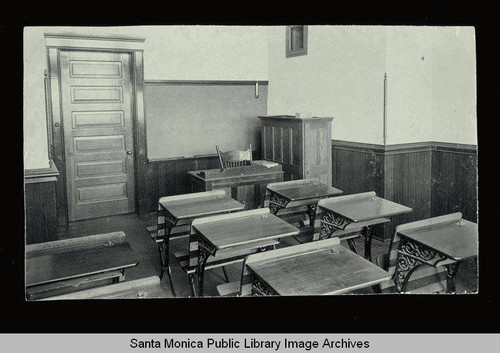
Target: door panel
<point>96,92</point>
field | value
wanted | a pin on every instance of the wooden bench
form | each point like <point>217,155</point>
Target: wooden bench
<point>63,266</point>
<point>142,288</point>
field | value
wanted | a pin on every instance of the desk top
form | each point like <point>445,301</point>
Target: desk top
<point>200,204</point>
<point>363,207</point>
<point>457,240</point>
<point>242,228</point>
<point>325,270</point>
<point>259,167</point>
<point>58,265</point>
<point>303,189</point>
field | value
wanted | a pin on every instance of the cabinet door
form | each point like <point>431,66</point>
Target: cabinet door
<point>318,152</point>
<point>282,143</point>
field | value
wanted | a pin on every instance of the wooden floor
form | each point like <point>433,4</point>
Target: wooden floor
<point>135,228</point>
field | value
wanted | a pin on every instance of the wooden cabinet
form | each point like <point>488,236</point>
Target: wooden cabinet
<point>301,145</point>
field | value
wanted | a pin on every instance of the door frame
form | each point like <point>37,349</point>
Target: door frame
<point>77,42</point>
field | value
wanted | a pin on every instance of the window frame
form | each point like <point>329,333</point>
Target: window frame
<point>297,52</point>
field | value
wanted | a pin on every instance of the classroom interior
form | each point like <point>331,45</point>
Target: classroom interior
<point>383,112</point>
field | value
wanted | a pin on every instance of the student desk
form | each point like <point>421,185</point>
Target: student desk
<point>317,268</point>
<point>259,173</point>
<point>446,243</point>
<point>63,266</point>
<point>299,192</point>
<point>181,210</point>
<point>240,230</point>
<point>364,209</point>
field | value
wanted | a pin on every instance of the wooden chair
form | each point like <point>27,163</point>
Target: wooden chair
<point>425,279</point>
<point>236,158</point>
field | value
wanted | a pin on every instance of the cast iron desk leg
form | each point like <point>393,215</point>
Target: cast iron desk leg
<point>367,233</point>
<point>164,248</point>
<point>451,271</point>
<point>331,222</point>
<point>276,203</point>
<point>412,255</point>
<point>205,249</point>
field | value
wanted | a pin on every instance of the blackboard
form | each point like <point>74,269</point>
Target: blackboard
<point>188,119</point>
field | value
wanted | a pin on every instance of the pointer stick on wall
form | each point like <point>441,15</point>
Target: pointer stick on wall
<point>385,108</point>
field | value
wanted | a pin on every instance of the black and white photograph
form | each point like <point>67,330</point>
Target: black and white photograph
<point>295,184</point>
<point>188,161</point>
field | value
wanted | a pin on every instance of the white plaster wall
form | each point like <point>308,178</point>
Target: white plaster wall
<point>342,76</point>
<point>454,86</point>
<point>429,99</point>
<point>431,82</point>
<point>34,118</point>
<point>170,53</point>
<point>409,84</point>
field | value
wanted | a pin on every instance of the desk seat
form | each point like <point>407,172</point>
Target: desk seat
<point>62,266</point>
<point>142,288</point>
<point>176,232</point>
<point>224,258</point>
<point>76,284</point>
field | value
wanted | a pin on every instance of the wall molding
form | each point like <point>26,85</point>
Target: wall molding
<point>205,82</point>
<point>161,160</point>
<point>404,147</point>
<point>41,175</point>
<point>79,41</point>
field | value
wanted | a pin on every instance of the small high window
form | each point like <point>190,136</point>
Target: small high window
<point>296,41</point>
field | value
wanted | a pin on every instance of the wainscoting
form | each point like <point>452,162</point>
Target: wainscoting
<point>454,181</point>
<point>40,205</point>
<point>433,178</point>
<point>169,177</point>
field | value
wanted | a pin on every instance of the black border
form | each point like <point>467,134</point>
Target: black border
<point>344,314</point>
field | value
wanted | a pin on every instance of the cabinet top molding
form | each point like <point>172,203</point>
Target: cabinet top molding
<point>294,118</point>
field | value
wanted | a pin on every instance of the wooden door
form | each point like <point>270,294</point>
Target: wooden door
<point>97,107</point>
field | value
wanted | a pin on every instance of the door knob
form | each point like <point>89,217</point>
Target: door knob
<point>129,152</point>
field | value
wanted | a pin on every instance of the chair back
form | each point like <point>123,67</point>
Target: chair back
<point>425,279</point>
<point>236,158</point>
